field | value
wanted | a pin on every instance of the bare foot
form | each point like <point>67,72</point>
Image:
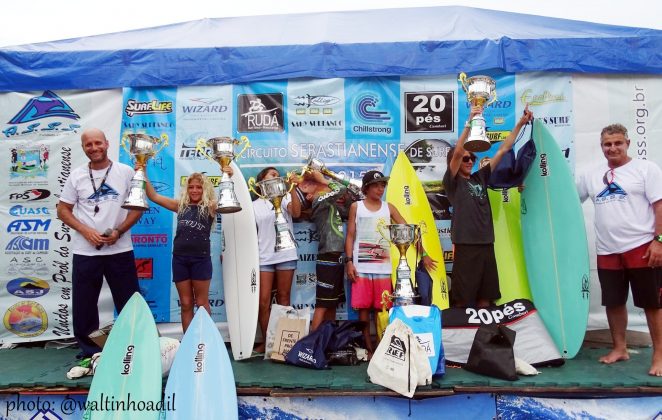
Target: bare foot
<point>616,355</point>
<point>656,367</point>
<point>259,348</point>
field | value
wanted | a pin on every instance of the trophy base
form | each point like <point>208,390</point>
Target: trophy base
<point>477,145</point>
<point>139,207</point>
<point>228,209</point>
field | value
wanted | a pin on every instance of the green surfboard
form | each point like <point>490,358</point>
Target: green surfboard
<point>508,248</point>
<point>555,245</point>
<point>127,383</point>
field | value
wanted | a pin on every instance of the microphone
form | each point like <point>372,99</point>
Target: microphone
<point>105,234</point>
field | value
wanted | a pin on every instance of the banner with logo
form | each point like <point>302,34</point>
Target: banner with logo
<point>40,145</point>
<point>352,125</point>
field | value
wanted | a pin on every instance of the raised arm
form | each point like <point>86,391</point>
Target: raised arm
<point>165,202</point>
<point>456,161</point>
<point>510,140</point>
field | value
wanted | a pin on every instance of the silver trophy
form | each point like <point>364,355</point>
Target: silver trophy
<point>402,236</point>
<point>314,164</point>
<point>480,90</point>
<point>274,190</point>
<point>222,152</point>
<point>141,147</point>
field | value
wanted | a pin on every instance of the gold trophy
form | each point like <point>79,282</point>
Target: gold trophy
<point>141,147</point>
<point>481,91</point>
<point>317,165</point>
<point>274,190</point>
<point>222,152</point>
<point>402,236</point>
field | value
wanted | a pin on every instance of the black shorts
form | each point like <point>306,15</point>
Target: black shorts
<point>619,272</point>
<point>475,274</point>
<point>330,281</point>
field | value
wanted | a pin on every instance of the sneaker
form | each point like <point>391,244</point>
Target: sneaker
<point>83,368</point>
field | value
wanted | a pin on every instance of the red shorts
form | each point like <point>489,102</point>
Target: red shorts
<point>367,290</point>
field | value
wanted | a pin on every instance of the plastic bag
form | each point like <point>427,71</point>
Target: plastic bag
<point>277,312</point>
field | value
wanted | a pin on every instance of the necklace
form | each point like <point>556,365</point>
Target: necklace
<point>94,186</point>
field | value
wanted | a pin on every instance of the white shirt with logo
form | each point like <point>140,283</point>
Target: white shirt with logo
<point>371,252</point>
<point>624,216</point>
<point>266,231</point>
<point>78,191</point>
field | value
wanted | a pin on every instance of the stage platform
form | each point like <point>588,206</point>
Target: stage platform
<point>24,370</point>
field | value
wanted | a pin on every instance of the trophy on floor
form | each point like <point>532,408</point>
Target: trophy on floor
<point>274,190</point>
<point>402,236</point>
<point>480,90</point>
<point>141,147</point>
<point>222,152</point>
<point>314,164</point>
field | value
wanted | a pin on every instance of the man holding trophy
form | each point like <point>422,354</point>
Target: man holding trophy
<point>475,277</point>
<point>90,204</point>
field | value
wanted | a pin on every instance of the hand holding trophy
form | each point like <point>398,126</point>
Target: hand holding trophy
<point>402,236</point>
<point>222,152</point>
<point>313,164</point>
<point>481,91</point>
<point>274,189</point>
<point>141,147</point>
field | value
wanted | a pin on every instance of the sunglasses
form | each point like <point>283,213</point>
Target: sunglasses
<point>468,158</point>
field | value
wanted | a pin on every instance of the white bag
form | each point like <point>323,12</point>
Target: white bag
<point>278,312</point>
<point>400,363</point>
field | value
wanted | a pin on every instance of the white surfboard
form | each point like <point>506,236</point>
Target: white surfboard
<point>241,270</point>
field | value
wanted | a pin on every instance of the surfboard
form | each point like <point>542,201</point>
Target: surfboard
<point>241,268</point>
<point>406,193</point>
<point>127,382</point>
<point>201,379</point>
<point>555,245</point>
<point>508,248</point>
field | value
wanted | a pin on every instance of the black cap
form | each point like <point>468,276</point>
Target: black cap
<point>371,177</point>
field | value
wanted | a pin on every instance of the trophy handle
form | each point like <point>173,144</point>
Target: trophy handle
<point>386,298</point>
<point>251,187</point>
<point>123,143</point>
<point>493,99</point>
<point>163,142</point>
<point>462,78</point>
<point>292,184</point>
<point>381,225</point>
<point>200,147</point>
<point>246,142</point>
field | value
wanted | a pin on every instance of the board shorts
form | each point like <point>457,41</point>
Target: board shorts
<point>188,267</point>
<point>330,272</point>
<point>475,274</point>
<point>367,290</point>
<point>281,266</point>
<point>618,271</point>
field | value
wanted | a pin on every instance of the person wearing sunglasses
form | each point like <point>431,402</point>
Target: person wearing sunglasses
<point>475,277</point>
<point>627,195</point>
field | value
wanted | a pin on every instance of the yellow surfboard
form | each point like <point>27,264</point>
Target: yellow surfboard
<point>406,193</point>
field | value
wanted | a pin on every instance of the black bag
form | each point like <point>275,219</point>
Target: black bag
<point>310,351</point>
<point>492,352</point>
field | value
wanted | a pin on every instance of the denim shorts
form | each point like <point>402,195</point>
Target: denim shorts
<point>186,267</point>
<point>281,266</point>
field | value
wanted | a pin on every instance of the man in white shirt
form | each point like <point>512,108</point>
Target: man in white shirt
<point>627,194</point>
<point>90,204</point>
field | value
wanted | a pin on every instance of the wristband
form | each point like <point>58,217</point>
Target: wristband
<point>424,254</point>
<point>658,238</point>
<point>119,233</point>
<point>467,124</point>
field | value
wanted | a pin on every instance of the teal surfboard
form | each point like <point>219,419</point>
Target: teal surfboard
<point>201,379</point>
<point>127,382</point>
<point>555,244</point>
<point>508,248</point>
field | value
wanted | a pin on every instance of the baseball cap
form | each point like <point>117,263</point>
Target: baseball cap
<point>372,177</point>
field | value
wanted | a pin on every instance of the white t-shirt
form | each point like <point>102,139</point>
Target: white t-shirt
<point>624,217</point>
<point>266,232</point>
<point>371,252</point>
<point>110,196</point>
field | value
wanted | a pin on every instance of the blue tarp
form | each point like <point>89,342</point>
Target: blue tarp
<point>392,42</point>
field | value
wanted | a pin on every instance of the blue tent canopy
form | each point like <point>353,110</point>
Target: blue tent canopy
<point>391,42</point>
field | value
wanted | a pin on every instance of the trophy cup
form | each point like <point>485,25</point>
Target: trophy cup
<point>274,190</point>
<point>141,147</point>
<point>222,149</point>
<point>402,235</point>
<point>317,165</point>
<point>480,90</point>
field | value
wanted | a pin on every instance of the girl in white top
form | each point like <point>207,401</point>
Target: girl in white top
<point>278,266</point>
